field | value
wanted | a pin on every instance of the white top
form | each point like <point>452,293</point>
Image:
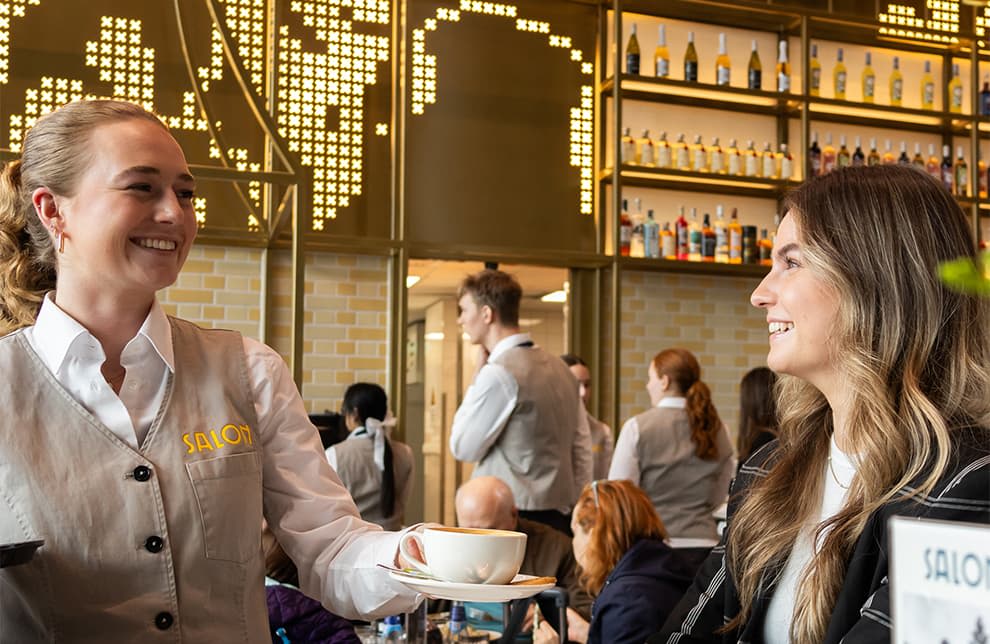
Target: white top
<point>351,577</point>
<point>839,473</point>
<point>625,463</point>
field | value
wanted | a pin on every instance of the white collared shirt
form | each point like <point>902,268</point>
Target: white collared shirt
<point>625,462</point>
<point>342,551</point>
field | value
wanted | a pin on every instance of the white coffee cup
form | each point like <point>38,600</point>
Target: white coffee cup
<point>467,555</point>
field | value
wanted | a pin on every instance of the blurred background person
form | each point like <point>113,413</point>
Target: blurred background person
<point>602,440</point>
<point>374,468</point>
<point>757,412</point>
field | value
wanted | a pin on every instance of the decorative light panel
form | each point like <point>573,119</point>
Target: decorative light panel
<point>940,24</point>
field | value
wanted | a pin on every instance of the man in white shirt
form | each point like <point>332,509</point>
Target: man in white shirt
<point>521,419</point>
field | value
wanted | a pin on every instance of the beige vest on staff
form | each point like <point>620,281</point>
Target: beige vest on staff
<point>67,479</point>
<point>362,478</point>
<point>533,452</point>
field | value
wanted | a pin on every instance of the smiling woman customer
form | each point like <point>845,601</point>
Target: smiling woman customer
<point>884,410</point>
<point>109,445</point>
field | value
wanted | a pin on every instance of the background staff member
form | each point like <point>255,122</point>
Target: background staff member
<point>141,533</point>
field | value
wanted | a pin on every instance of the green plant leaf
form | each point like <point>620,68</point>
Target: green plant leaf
<point>966,276</point>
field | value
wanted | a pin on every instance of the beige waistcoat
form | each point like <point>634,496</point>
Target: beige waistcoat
<point>362,478</point>
<point>67,479</point>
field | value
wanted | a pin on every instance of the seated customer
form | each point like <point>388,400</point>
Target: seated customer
<point>487,502</point>
<point>375,469</point>
<point>619,545</point>
<point>757,412</point>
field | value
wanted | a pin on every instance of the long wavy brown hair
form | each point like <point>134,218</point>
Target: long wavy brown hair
<point>914,353</point>
<point>615,514</point>
<point>683,369</point>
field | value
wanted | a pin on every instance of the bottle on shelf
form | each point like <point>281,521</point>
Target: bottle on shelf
<point>888,153</point>
<point>691,61</point>
<point>960,172</point>
<point>768,162</point>
<point>904,159</point>
<point>661,56</point>
<point>928,88</point>
<point>716,158</point>
<point>828,155</point>
<point>752,168</point>
<point>985,96</point>
<point>646,150</point>
<point>651,236</point>
<point>699,156</point>
<point>873,158</point>
<point>750,251</point>
<point>735,238</point>
<point>918,159</point>
<point>786,163</point>
<point>733,159</point>
<point>663,152</point>
<point>632,52</point>
<point>723,66</point>
<point>682,234</point>
<point>946,168</point>
<point>955,91</point>
<point>815,80</point>
<point>814,157</point>
<point>628,148</point>
<point>869,80</point>
<point>981,178</point>
<point>668,242</point>
<point>933,166</point>
<point>783,68</point>
<point>839,77</point>
<point>765,244</point>
<point>682,156</point>
<point>721,236</point>
<point>754,75</point>
<point>843,158</point>
<point>858,158</point>
<point>695,237</point>
<point>708,240</point>
<point>637,243</point>
<point>625,229</point>
<point>896,84</point>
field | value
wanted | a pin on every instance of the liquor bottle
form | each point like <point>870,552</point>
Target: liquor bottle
<point>682,156</point>
<point>625,229</point>
<point>645,149</point>
<point>783,68</point>
<point>815,82</point>
<point>721,236</point>
<point>828,155</point>
<point>695,237</point>
<point>681,227</point>
<point>928,88</point>
<point>858,157</point>
<point>904,159</point>
<point>752,168</point>
<point>735,238</point>
<point>699,156</point>
<point>691,61</point>
<point>754,76</point>
<point>393,631</point>
<point>668,243</point>
<point>873,158</point>
<point>632,53</point>
<point>661,56</point>
<point>814,157</point>
<point>664,152</point>
<point>946,168</point>
<point>733,159</point>
<point>716,158</point>
<point>955,90</point>
<point>839,77</point>
<point>628,149</point>
<point>981,178</point>
<point>651,236</point>
<point>888,153</point>
<point>637,245</point>
<point>933,166</point>
<point>918,159</point>
<point>768,162</point>
<point>457,623</point>
<point>723,66</point>
<point>765,245</point>
<point>869,80</point>
<point>786,163</point>
<point>960,173</point>
<point>843,158</point>
<point>985,96</point>
<point>708,240</point>
<point>896,84</point>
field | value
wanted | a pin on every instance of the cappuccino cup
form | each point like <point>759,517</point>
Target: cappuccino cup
<point>466,555</point>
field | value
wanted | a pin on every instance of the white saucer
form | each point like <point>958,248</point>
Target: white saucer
<point>470,592</point>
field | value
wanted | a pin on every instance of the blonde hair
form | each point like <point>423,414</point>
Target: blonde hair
<point>54,156</point>
<point>915,355</point>
<point>683,369</point>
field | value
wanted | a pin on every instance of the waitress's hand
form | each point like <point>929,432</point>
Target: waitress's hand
<point>401,562</point>
<point>544,634</point>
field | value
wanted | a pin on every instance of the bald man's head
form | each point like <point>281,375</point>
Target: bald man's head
<point>485,502</point>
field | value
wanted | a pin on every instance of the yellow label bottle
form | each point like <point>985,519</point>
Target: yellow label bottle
<point>699,156</point>
<point>661,56</point>
<point>839,77</point>
<point>869,80</point>
<point>955,91</point>
<point>928,88</point>
<point>723,66</point>
<point>896,84</point>
<point>735,238</point>
<point>815,80</point>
